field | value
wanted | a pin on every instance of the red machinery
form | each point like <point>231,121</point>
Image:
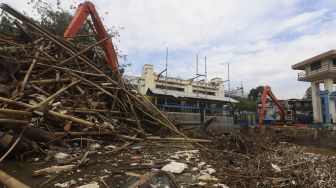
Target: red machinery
<point>267,92</point>
<point>84,10</point>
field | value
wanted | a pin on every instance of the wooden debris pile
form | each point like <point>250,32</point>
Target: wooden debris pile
<point>263,161</point>
<point>51,88</point>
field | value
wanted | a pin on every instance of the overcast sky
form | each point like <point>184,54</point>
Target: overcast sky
<point>260,38</point>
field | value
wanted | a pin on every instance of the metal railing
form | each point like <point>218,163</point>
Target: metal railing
<point>325,68</point>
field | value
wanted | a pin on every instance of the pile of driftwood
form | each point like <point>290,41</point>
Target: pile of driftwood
<point>262,161</point>
<point>53,89</point>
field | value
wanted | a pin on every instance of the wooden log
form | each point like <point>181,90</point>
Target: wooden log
<point>144,179</point>
<point>70,70</point>
<point>74,119</point>
<point>15,112</point>
<point>130,138</point>
<point>89,133</point>
<point>50,112</point>
<point>48,81</point>
<point>83,51</point>
<point>40,90</point>
<point>18,103</point>
<point>154,138</point>
<point>78,54</point>
<point>52,170</point>
<point>10,181</point>
<point>14,121</point>
<point>57,93</point>
<point>32,133</point>
<point>32,65</point>
<point>86,110</point>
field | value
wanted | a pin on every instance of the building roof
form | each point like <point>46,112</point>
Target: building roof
<point>301,65</point>
<point>180,94</point>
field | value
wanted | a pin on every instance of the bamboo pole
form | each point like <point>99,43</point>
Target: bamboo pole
<point>14,121</point>
<point>48,81</point>
<point>15,112</point>
<point>10,181</point>
<point>18,103</point>
<point>40,90</point>
<point>50,112</point>
<point>57,93</point>
<point>31,67</point>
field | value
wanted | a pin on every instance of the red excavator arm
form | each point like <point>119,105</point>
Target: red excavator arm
<point>84,10</point>
<point>267,91</point>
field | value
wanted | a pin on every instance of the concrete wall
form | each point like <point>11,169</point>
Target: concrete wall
<point>222,125</point>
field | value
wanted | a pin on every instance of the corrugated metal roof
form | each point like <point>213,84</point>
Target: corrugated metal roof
<point>180,94</point>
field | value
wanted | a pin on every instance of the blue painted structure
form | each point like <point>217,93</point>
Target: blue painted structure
<point>325,105</point>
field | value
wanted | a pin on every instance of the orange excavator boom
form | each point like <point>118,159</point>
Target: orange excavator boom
<point>84,10</point>
<point>267,92</point>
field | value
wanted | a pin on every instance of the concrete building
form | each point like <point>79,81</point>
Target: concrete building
<point>149,79</point>
<point>176,93</point>
<point>186,101</point>
<point>298,110</point>
<point>320,71</point>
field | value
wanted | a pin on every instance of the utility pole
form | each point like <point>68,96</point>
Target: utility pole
<point>197,77</point>
<point>229,82</point>
<point>166,76</point>
<point>242,88</point>
<point>206,82</point>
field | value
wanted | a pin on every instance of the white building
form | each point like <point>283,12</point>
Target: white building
<point>320,71</point>
<point>179,92</point>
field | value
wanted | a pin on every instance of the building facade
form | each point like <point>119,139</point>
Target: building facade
<point>178,94</point>
<point>320,71</point>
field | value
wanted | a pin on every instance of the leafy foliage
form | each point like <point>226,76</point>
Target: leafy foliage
<point>56,20</point>
<point>255,92</point>
<point>5,25</point>
<point>246,105</point>
<point>308,94</point>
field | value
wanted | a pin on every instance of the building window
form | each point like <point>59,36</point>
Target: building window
<point>315,66</point>
<point>203,92</point>
<point>334,62</point>
<point>170,88</point>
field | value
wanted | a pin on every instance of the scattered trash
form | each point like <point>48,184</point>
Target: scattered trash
<point>91,185</point>
<point>175,167</point>
<point>202,184</point>
<point>66,184</point>
<point>207,177</point>
<point>220,185</point>
<point>276,167</point>
<point>210,170</point>
<point>94,146</point>
<point>61,156</point>
<point>201,164</point>
<point>111,147</point>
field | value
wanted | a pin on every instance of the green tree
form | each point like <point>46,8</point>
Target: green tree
<point>5,26</point>
<point>255,92</point>
<point>56,20</point>
<point>308,94</point>
<point>246,105</point>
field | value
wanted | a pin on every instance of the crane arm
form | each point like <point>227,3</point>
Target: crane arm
<point>267,92</point>
<point>83,11</point>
